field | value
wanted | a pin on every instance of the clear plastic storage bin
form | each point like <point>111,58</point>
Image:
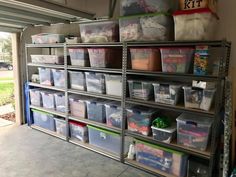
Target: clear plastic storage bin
<point>167,93</point>
<point>148,59</point>
<point>95,82</point>
<point>78,107</point>
<point>140,119</point>
<point>106,140</point>
<point>113,114</point>
<point>78,131</point>
<point>105,58</point>
<point>77,80</point>
<point>163,159</point>
<point>113,84</point>
<point>35,97</point>
<point>149,27</point>
<point>197,167</point>
<point>44,120</point>
<point>96,110</point>
<point>165,135</point>
<point>133,7</point>
<point>60,102</point>
<point>202,23</point>
<point>47,59</point>
<point>48,99</point>
<point>58,78</point>
<point>60,126</point>
<point>99,32</point>
<point>47,38</point>
<point>193,131</point>
<point>198,98</point>
<point>45,76</point>
<point>79,57</point>
<point>140,89</point>
<point>177,60</point>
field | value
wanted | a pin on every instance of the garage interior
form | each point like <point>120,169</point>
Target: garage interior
<point>30,150</point>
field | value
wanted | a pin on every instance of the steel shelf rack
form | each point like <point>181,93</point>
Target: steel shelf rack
<point>208,155</point>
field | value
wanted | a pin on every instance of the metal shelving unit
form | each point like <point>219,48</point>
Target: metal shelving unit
<point>209,154</point>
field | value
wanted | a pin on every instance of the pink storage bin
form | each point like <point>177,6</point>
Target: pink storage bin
<point>104,58</point>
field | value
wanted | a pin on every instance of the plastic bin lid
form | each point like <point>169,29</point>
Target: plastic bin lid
<point>194,120</point>
<point>165,83</point>
<point>141,81</point>
<point>60,120</point>
<point>158,147</point>
<point>77,123</point>
<point>142,110</point>
<point>103,130</point>
<point>170,129</point>
<point>193,11</point>
<point>144,15</point>
<point>76,72</point>
<point>42,112</point>
<point>113,104</point>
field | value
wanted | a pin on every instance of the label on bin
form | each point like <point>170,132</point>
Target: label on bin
<point>103,135</point>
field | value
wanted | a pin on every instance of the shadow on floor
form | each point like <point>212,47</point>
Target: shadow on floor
<point>29,153</point>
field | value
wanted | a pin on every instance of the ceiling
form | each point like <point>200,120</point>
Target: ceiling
<point>15,15</point>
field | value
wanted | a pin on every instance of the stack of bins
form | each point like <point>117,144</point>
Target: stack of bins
<point>146,20</point>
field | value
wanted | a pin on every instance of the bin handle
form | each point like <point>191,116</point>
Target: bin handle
<point>191,123</point>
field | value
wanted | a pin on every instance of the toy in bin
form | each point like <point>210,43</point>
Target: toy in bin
<point>193,131</point>
<point>140,119</point>
<point>163,130</point>
<point>201,60</point>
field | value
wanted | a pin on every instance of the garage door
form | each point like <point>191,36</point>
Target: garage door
<point>15,15</point>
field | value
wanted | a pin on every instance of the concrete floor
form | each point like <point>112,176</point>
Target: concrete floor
<point>28,153</point>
